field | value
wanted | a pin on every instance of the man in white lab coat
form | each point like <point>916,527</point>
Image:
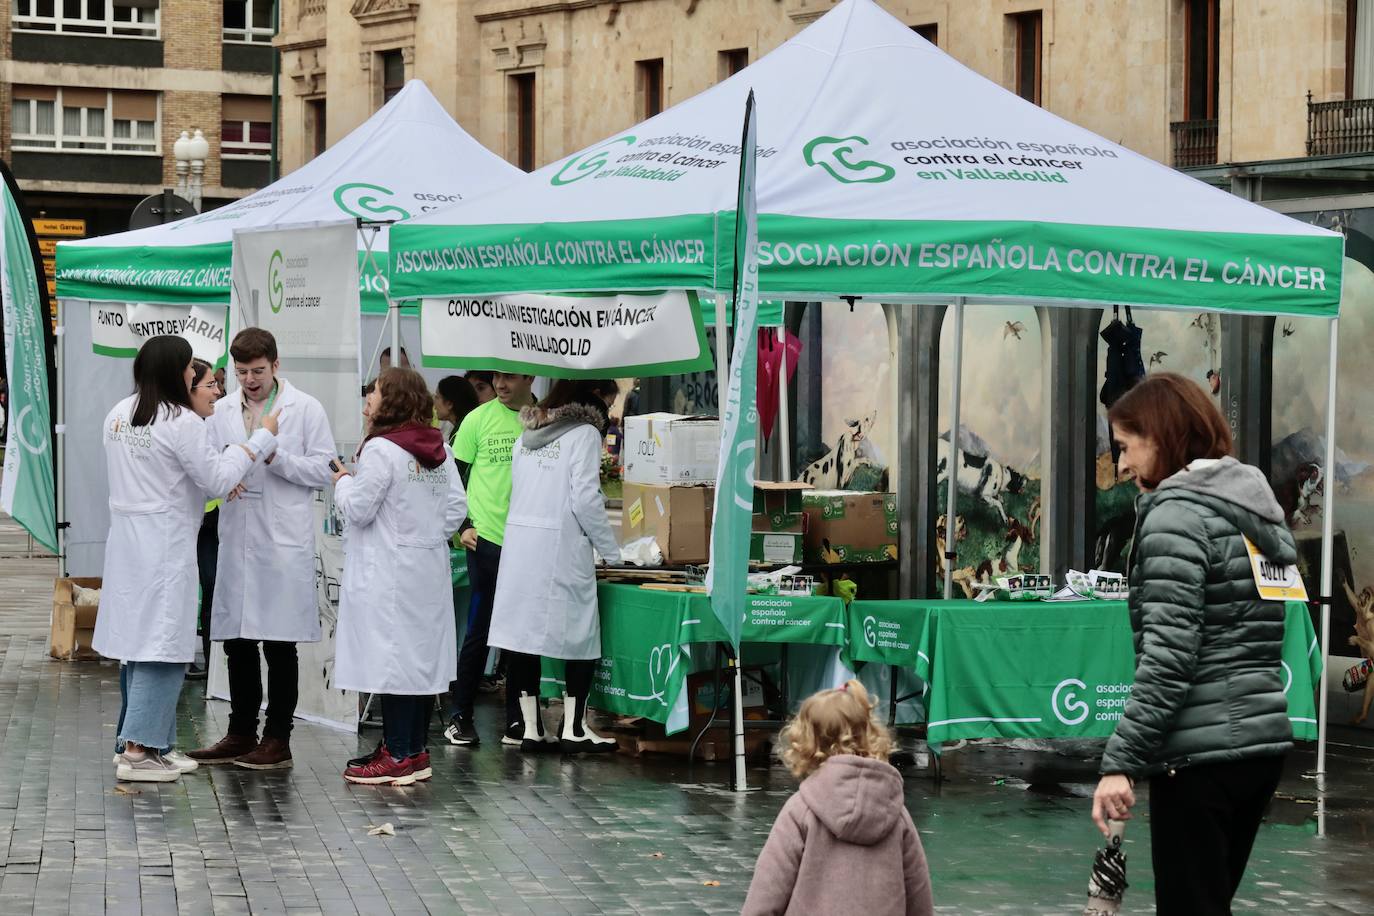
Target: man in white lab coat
<point>265,589</point>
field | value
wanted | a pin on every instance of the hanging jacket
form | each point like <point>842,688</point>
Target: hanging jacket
<point>1208,682</point>
<point>1125,364</point>
<point>843,844</point>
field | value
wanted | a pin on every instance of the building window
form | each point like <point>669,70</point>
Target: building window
<point>523,122</point>
<point>930,32</point>
<point>1201,55</point>
<point>649,87</point>
<point>248,21</point>
<point>88,17</point>
<point>87,120</point>
<point>246,127</point>
<point>393,74</point>
<point>1028,34</point>
<point>728,63</point>
<point>315,126</point>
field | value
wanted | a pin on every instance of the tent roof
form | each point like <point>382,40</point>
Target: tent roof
<point>409,157</point>
<point>887,169</point>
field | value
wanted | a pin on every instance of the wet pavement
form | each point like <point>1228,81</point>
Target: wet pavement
<point>495,832</point>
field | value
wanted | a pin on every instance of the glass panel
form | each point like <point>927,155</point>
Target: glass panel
<point>235,14</point>
<point>260,132</point>
<point>21,116</point>
<point>122,129</point>
<point>43,120</point>
<point>95,122</point>
<point>262,14</point>
<point>71,122</point>
<point>230,132</point>
<point>95,10</point>
<point>47,8</point>
<point>71,9</point>
<point>147,130</point>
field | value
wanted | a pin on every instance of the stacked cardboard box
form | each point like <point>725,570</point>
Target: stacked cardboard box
<point>678,519</point>
<point>778,524</point>
<point>850,527</point>
<point>667,449</point>
<point>73,626</point>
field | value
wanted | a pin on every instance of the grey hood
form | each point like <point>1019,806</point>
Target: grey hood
<point>858,799</point>
<point>1241,493</point>
<point>545,426</point>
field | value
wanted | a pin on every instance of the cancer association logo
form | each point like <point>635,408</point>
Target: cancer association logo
<point>276,290</point>
<point>871,631</point>
<point>1072,710</point>
<point>368,201</point>
<point>832,154</point>
<point>588,163</point>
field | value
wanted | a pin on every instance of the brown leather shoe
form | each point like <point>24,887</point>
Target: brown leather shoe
<point>271,754</point>
<point>225,750</point>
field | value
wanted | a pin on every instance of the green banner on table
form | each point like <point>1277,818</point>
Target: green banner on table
<point>796,619</point>
<point>886,632</point>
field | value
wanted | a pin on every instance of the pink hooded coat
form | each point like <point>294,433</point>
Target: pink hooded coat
<point>843,844</point>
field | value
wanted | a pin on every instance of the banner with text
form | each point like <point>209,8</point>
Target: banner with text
<point>119,328</point>
<point>301,283</point>
<point>566,336</point>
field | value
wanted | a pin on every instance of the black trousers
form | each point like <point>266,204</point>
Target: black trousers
<point>405,723</point>
<point>524,672</point>
<point>245,686</point>
<point>207,561</point>
<point>483,565</point>
<point>1203,822</point>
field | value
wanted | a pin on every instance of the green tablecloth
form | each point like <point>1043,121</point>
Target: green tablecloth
<point>1049,670</point>
<point>1015,670</point>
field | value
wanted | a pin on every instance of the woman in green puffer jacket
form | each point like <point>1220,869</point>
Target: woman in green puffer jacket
<point>1207,721</point>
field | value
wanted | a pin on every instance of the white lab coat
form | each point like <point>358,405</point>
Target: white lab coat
<point>396,630</point>
<point>546,588</point>
<point>160,477</point>
<point>265,582</point>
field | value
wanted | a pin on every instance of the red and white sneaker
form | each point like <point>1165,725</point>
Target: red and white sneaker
<point>420,764</point>
<point>384,770</point>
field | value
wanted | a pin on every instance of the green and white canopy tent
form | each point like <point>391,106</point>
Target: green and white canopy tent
<point>409,157</point>
<point>869,187</point>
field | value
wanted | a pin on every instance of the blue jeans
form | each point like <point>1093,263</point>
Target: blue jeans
<point>124,708</point>
<point>151,691</point>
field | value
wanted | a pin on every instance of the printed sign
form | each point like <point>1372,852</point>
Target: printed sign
<point>120,329</point>
<point>566,336</point>
<point>1274,581</point>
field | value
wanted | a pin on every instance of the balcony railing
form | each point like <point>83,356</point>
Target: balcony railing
<point>1195,143</point>
<point>1340,128</point>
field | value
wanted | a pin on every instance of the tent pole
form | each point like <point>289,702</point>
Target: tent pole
<point>722,385</point>
<point>60,451</point>
<point>393,308</point>
<point>784,446</point>
<point>952,462</point>
<point>1328,544</point>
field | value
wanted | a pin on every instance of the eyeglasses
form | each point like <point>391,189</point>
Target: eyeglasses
<point>215,386</point>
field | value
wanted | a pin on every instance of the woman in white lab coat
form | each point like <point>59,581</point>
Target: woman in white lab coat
<point>395,634</point>
<point>162,468</point>
<point>546,589</point>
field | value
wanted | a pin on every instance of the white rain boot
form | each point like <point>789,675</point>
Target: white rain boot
<point>537,739</point>
<point>578,737</point>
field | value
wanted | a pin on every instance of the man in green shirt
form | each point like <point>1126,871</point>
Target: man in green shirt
<point>483,446</point>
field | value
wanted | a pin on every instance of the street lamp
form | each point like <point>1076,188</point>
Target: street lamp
<point>191,151</point>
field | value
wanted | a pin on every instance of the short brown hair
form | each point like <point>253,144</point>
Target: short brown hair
<point>405,400</point>
<point>1180,419</point>
<point>253,343</point>
<point>840,721</point>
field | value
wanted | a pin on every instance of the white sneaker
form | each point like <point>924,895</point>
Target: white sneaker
<point>148,767</point>
<point>179,760</point>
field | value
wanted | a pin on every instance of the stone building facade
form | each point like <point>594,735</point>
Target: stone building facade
<point>93,94</point>
<point>1188,82</point>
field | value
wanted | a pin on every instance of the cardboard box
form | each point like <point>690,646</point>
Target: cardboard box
<point>850,527</point>
<point>668,449</point>
<point>73,628</point>
<point>775,548</point>
<point>778,507</point>
<point>678,518</point>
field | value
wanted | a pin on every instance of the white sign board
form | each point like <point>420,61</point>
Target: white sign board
<point>566,336</point>
<point>119,329</point>
<point>301,283</point>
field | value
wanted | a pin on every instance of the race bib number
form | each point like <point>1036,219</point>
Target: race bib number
<point>1274,581</point>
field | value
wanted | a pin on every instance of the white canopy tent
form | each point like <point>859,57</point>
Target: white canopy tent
<point>408,158</point>
<point>867,188</point>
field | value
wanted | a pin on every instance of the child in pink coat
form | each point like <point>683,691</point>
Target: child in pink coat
<point>845,842</point>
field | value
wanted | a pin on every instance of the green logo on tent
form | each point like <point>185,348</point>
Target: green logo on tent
<point>830,154</point>
<point>588,163</point>
<point>366,201</point>
<point>275,288</point>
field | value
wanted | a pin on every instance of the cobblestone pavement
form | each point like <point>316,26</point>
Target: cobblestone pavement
<point>496,832</point>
